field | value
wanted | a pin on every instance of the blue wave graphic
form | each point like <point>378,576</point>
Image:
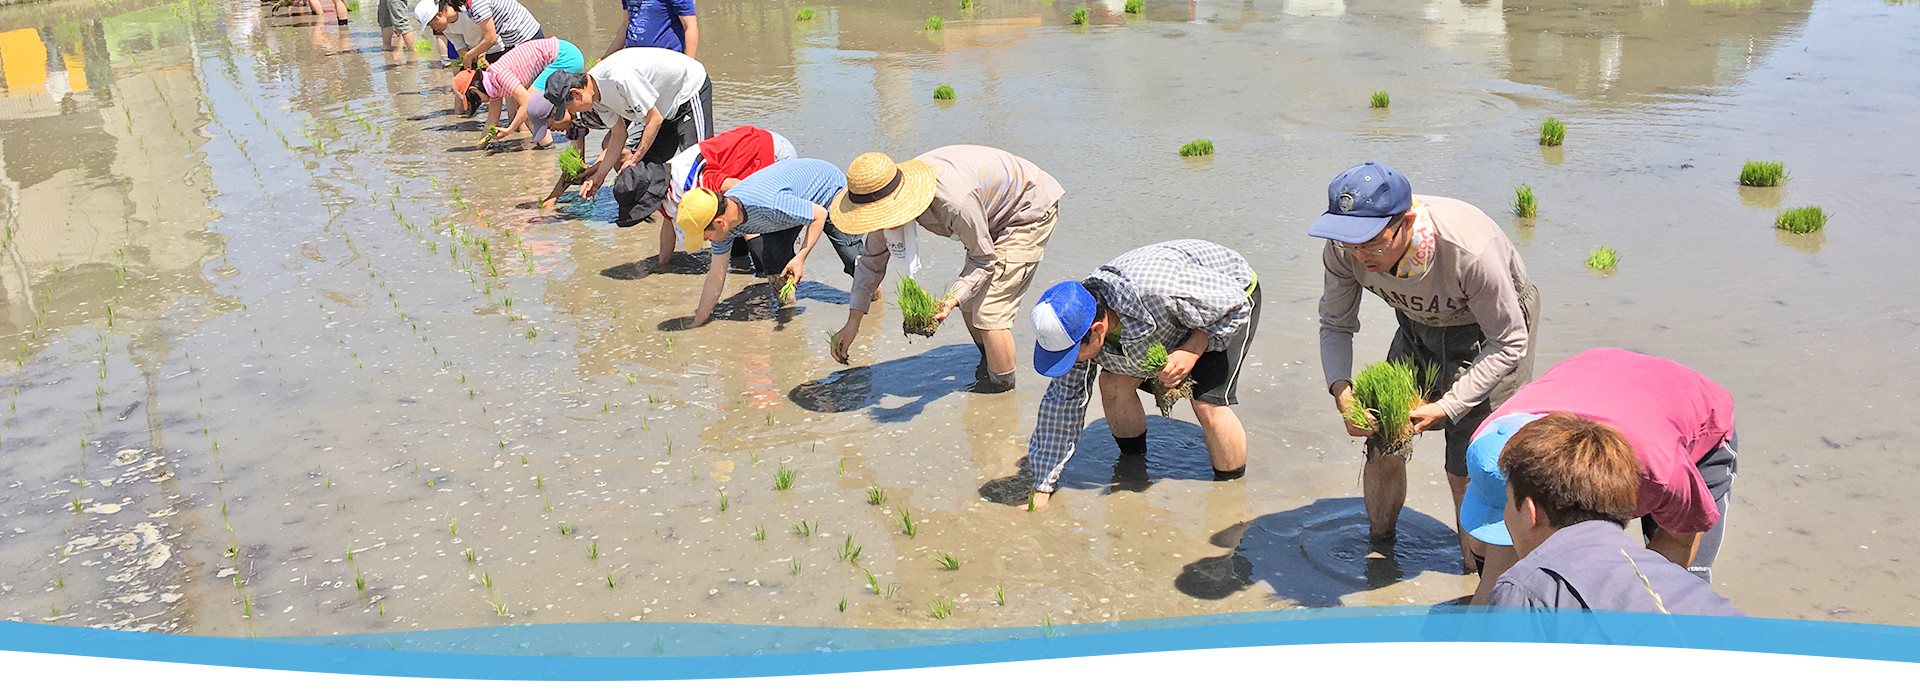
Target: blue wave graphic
<point>672,651</point>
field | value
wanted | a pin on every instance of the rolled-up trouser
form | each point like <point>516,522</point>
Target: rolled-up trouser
<point>1451,350</point>
<point>1717,469</point>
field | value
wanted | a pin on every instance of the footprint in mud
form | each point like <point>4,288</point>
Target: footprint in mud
<point>1318,554</point>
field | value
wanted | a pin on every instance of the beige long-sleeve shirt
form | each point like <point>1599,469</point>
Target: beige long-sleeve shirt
<point>1475,277</point>
<point>980,193</point>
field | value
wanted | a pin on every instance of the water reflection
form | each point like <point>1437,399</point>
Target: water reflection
<point>1630,49</point>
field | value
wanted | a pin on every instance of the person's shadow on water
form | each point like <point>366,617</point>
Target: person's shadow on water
<point>921,379</point>
<point>1317,554</point>
<point>1175,450</point>
<point>753,303</point>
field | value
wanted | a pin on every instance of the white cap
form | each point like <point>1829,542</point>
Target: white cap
<point>1048,331</point>
<point>426,10</point>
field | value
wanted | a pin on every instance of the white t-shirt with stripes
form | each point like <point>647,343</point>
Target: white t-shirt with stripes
<point>511,21</point>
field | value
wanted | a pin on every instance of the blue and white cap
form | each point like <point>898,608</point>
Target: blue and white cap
<point>1483,512</point>
<point>1061,318</point>
<point>1361,201</point>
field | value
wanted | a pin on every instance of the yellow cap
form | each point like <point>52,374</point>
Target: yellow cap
<point>696,211</point>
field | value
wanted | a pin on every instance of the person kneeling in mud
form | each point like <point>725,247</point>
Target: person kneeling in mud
<point>1196,302</point>
<point>767,211</point>
<point>999,206</point>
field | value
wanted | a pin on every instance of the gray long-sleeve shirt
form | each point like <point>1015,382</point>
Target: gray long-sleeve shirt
<point>980,193</point>
<point>1475,277</point>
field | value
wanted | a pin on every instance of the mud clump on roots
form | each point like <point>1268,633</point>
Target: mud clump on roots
<point>916,308</point>
<point>1385,395</point>
<point>1163,397</point>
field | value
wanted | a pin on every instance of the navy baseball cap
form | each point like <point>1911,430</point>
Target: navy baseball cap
<point>1483,512</point>
<point>1061,318</point>
<point>1361,201</point>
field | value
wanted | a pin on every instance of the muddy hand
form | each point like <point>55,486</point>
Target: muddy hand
<point>947,306</point>
<point>1425,417</point>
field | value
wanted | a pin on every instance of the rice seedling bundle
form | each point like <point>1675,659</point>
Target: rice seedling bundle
<point>1380,100</point>
<point>1603,259</point>
<point>1080,16</point>
<point>1164,398</point>
<point>936,23</point>
<point>944,92</point>
<point>786,294</point>
<point>805,14</point>
<point>573,166</point>
<point>1197,147</point>
<point>1552,132</point>
<point>966,4</point>
<point>1524,203</point>
<point>1136,7</point>
<point>1763,173</point>
<point>1801,220</point>
<point>1384,394</point>
<point>916,307</point>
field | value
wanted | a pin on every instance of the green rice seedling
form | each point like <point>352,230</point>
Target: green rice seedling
<point>471,557</point>
<point>916,308</point>
<point>1080,17</point>
<point>1163,397</point>
<point>60,582</point>
<point>486,579</point>
<point>1801,220</point>
<point>723,501</point>
<point>943,92</point>
<point>573,166</point>
<point>875,496</point>
<point>942,606</point>
<point>566,529</point>
<point>353,5</point>
<point>803,528</point>
<point>593,550</point>
<point>246,608</point>
<point>609,580</point>
<point>783,478</point>
<point>1524,204</point>
<point>804,15</point>
<point>1388,392</point>
<point>788,291</point>
<point>843,464</point>
<point>872,581</point>
<point>453,524</point>
<point>76,505</point>
<point>659,645</point>
<point>850,551</point>
<point>843,603</point>
<point>349,555</point>
<point>946,561</point>
<point>1136,7</point>
<point>794,568</point>
<point>1603,259</point>
<point>499,608</point>
<point>936,23</point>
<point>1046,621</point>
<point>966,4</point>
<point>359,581</point>
<point>759,533</point>
<point>1197,148</point>
<point>423,46</point>
<point>906,523</point>
<point>1000,595</point>
<point>1380,100</point>
<point>1552,132</point>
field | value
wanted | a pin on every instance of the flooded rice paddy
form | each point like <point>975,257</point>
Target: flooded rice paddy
<point>284,354</point>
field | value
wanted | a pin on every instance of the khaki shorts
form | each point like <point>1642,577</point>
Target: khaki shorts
<point>1019,251</point>
<point>397,14</point>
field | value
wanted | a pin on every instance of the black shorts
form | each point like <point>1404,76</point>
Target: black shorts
<point>772,251</point>
<point>1216,375</point>
<point>691,124</point>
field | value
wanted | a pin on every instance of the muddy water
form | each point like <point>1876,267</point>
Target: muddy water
<point>286,355</point>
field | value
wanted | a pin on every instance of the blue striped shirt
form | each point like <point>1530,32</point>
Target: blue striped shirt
<point>781,196</point>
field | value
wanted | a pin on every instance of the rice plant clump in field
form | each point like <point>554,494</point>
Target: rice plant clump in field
<point>966,4</point>
<point>1136,7</point>
<point>936,23</point>
<point>1763,173</point>
<point>1524,203</point>
<point>944,92</point>
<point>805,14</point>
<point>573,166</point>
<point>1801,220</point>
<point>783,478</point>
<point>1164,397</point>
<point>1080,16</point>
<point>1603,259</point>
<point>1197,147</point>
<point>1380,100</point>
<point>1384,394</point>
<point>1552,132</point>
<point>916,307</point>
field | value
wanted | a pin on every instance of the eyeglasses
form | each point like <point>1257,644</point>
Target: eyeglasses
<point>1390,234</point>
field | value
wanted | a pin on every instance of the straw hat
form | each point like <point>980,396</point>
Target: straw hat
<point>881,195</point>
